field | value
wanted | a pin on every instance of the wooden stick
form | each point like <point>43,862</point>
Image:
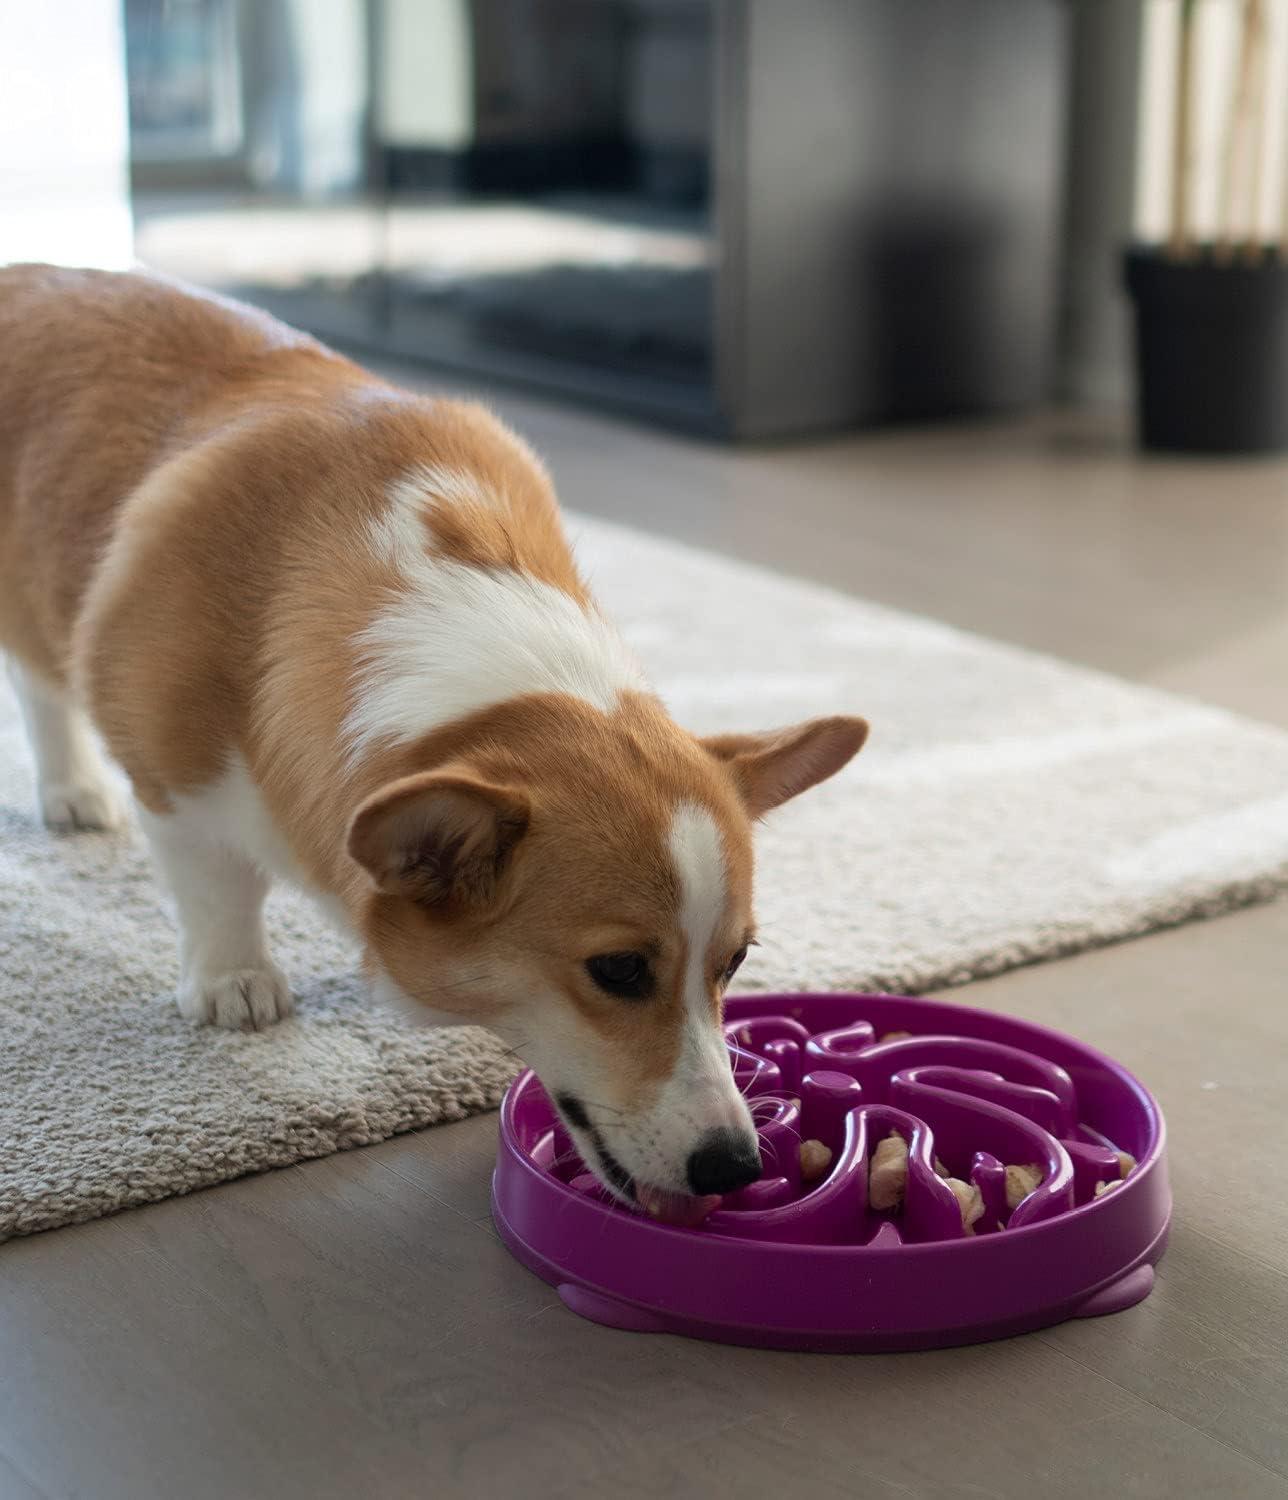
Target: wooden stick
<point>1180,246</point>
<point>1283,237</point>
<point>1256,22</point>
<point>1235,133</point>
<point>1282,246</point>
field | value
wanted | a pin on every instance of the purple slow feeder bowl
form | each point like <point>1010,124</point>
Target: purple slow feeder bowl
<point>788,1267</point>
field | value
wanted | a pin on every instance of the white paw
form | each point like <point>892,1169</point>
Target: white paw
<point>75,806</point>
<point>238,999</point>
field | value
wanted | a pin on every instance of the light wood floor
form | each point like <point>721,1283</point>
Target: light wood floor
<point>354,1328</point>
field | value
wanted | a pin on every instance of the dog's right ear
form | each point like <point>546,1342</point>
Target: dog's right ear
<point>441,839</point>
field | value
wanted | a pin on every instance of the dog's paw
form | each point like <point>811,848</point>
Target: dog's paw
<point>80,807</point>
<point>241,999</point>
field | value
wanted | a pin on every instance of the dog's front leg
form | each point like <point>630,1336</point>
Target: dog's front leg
<point>227,978</point>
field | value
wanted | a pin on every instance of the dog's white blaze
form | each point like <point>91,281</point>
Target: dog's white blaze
<point>460,638</point>
<point>700,868</point>
<point>700,1093</point>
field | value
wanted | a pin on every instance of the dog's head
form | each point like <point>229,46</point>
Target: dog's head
<point>581,882</point>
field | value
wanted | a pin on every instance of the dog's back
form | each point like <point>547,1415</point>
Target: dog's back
<point>187,491</point>
<point>100,375</point>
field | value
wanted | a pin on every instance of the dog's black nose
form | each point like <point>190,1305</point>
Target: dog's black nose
<point>724,1161</point>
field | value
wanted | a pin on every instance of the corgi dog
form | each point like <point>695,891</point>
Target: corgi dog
<point>333,633</point>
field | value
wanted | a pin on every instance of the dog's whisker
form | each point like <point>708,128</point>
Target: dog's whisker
<point>565,1158</point>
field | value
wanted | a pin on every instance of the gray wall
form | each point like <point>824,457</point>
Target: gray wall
<point>890,206</point>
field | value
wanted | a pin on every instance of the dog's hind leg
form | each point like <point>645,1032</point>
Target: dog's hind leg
<point>71,779</point>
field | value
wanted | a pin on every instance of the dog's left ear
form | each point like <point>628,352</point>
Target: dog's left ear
<point>770,769</point>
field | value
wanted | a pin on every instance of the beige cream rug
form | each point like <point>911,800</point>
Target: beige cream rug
<point>1008,808</point>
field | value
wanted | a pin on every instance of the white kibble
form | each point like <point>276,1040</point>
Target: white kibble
<point>816,1158</point>
<point>894,1036</point>
<point>940,1169</point>
<point>1020,1182</point>
<point>969,1199</point>
<point>1107,1187</point>
<point>888,1173</point>
<point>1126,1163</point>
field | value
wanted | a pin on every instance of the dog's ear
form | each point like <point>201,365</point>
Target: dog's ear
<point>439,838</point>
<point>769,769</point>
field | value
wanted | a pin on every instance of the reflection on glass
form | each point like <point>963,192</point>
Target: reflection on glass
<point>518,186</point>
<point>249,156</point>
<point>184,80</point>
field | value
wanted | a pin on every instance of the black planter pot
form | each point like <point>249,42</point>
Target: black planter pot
<point>1211,352</point>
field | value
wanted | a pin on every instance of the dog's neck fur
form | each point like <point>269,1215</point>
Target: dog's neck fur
<point>478,605</point>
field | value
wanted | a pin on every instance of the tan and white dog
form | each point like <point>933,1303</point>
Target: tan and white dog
<point>333,632</point>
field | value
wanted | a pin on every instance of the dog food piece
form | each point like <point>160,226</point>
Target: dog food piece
<point>1020,1182</point>
<point>1107,1187</point>
<point>1126,1163</point>
<point>816,1158</point>
<point>940,1169</point>
<point>894,1036</point>
<point>969,1199</point>
<point>888,1173</point>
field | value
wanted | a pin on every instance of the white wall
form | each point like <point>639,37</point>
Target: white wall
<point>64,142</point>
<point>1217,51</point>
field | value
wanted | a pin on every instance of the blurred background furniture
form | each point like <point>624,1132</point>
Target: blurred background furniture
<point>744,217</point>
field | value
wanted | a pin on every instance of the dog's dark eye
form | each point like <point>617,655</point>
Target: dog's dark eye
<point>734,964</point>
<point>626,975</point>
